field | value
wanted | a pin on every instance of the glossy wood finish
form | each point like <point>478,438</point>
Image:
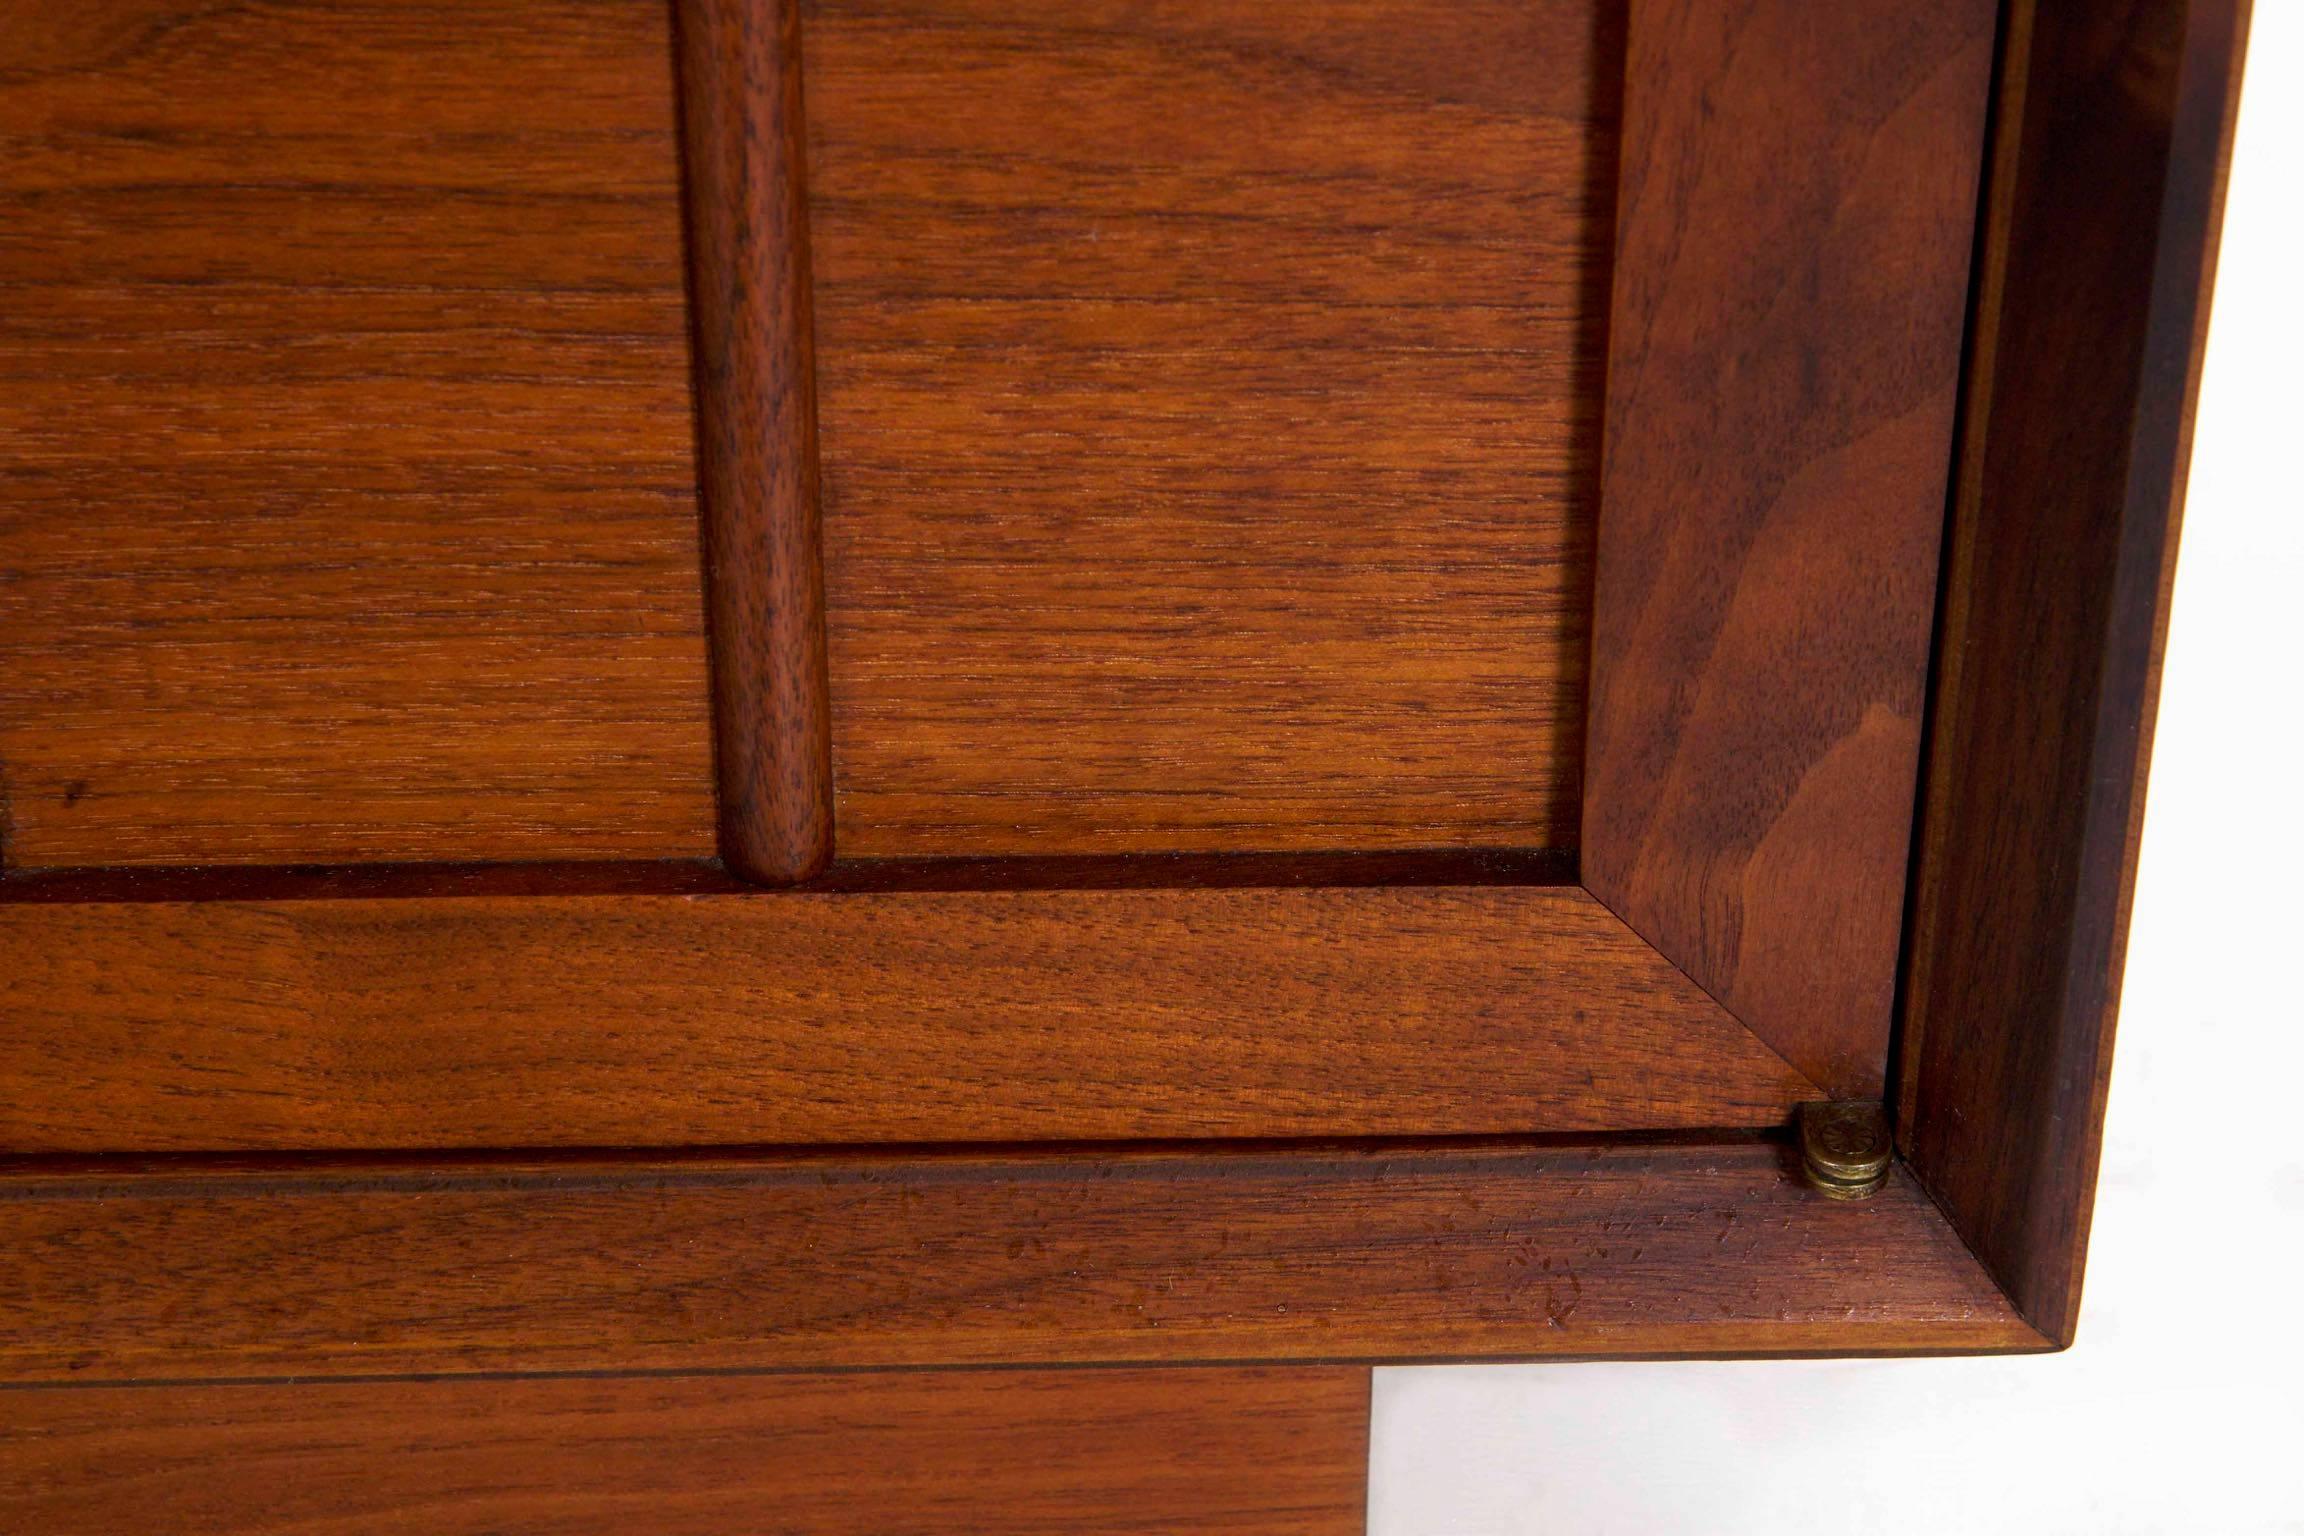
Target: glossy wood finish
<point>747,201</point>
<point>1209,469</point>
<point>1209,406</point>
<point>852,1260</point>
<point>1796,219</point>
<point>346,505</point>
<point>2107,194</point>
<point>944,1453</point>
<point>636,1020</point>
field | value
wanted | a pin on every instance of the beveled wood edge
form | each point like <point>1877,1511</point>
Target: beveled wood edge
<point>1338,1255</point>
<point>2011,998</point>
<point>477,1022</point>
<point>1674,858</point>
<point>750,303</point>
<point>1438,868</point>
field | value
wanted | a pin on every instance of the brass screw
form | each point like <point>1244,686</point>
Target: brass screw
<point>1845,1147</point>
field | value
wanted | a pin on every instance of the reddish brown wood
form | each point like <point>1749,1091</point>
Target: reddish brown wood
<point>1209,406</point>
<point>2107,193</point>
<point>1796,219</point>
<point>333,882</point>
<point>346,505</point>
<point>1210,403</point>
<point>749,293</point>
<point>667,1020</point>
<point>941,1453</point>
<point>848,1260</point>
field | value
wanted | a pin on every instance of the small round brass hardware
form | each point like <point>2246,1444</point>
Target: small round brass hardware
<point>1845,1147</point>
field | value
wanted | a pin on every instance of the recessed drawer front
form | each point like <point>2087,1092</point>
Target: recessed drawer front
<point>347,480</point>
<point>1208,417</point>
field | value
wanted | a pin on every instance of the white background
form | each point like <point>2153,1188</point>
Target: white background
<point>2181,1409</point>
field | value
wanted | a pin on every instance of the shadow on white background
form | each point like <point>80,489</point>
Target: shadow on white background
<point>2181,1409</point>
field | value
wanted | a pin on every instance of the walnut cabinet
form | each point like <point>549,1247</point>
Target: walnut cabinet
<point>728,728</point>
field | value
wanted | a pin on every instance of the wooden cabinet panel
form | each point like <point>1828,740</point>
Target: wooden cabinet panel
<point>347,501</point>
<point>2094,303</point>
<point>908,1016</point>
<point>1799,207</point>
<point>1388,1251</point>
<point>939,1453</point>
<point>1208,401</point>
<point>1157,547</point>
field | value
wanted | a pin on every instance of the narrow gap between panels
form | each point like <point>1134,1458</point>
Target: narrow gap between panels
<point>2003,114</point>
<point>95,1175</point>
<point>706,877</point>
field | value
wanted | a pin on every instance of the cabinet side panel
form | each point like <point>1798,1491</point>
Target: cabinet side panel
<point>1796,220</point>
<point>2109,176</point>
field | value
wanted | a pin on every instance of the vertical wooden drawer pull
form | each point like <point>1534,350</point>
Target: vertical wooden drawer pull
<point>744,146</point>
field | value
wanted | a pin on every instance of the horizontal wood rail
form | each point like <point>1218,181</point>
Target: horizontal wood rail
<point>836,1260</point>
<point>871,1016</point>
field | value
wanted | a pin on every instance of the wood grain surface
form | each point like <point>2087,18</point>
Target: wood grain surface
<point>346,476</point>
<point>1209,406</point>
<point>942,1453</point>
<point>1796,219</point>
<point>633,1020</point>
<point>842,1260</point>
<point>747,201</point>
<point>2108,185</point>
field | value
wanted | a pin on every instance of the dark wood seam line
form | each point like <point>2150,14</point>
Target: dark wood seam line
<point>78,1175</point>
<point>1406,870</point>
<point>1978,344</point>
